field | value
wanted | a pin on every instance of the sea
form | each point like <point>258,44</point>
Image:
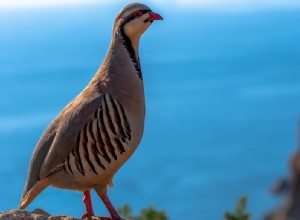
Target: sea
<point>222,98</point>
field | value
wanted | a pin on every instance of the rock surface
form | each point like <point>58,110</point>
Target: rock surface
<point>37,214</point>
<point>290,188</point>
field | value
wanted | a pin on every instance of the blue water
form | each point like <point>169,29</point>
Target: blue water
<point>223,100</point>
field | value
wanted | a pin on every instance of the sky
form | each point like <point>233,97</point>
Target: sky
<point>195,4</point>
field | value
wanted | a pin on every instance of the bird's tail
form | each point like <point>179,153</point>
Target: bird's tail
<point>32,193</point>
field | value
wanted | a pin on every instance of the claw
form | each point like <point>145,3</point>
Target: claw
<point>109,218</point>
<point>85,215</point>
<point>98,217</point>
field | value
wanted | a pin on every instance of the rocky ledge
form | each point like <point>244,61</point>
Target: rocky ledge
<point>37,214</point>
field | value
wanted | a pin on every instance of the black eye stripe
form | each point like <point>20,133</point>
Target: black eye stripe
<point>141,11</point>
<point>145,11</point>
<point>132,15</point>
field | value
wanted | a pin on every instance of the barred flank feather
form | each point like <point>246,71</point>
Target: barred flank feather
<point>107,132</point>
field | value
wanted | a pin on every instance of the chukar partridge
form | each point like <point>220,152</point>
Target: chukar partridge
<point>97,132</point>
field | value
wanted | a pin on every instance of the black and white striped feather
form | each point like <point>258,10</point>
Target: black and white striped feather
<point>100,140</point>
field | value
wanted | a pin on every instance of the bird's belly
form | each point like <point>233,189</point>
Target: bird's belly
<point>103,173</point>
<point>87,175</point>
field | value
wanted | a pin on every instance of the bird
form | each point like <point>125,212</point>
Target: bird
<point>99,130</point>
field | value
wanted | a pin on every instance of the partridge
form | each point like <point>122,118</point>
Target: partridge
<point>98,131</point>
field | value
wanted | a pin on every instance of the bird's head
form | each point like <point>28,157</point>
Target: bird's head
<point>134,19</point>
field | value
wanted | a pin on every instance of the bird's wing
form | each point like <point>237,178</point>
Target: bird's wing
<point>55,143</point>
<point>39,154</point>
<point>72,120</point>
<point>76,125</point>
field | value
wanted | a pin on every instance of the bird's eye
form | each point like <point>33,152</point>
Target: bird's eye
<point>137,14</point>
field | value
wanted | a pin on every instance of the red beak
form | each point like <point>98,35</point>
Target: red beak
<point>154,16</point>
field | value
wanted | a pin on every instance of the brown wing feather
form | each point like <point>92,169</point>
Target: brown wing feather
<point>38,156</point>
<point>72,119</point>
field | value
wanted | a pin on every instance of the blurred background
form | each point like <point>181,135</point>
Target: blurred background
<point>222,81</point>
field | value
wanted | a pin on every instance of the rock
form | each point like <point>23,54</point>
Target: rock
<point>290,207</point>
<point>37,214</point>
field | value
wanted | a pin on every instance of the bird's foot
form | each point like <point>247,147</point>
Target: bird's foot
<point>109,218</point>
<point>86,216</point>
<point>105,218</point>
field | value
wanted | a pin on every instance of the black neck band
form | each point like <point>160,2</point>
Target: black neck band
<point>128,44</point>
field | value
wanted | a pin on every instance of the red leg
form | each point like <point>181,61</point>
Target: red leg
<point>110,208</point>
<point>88,205</point>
